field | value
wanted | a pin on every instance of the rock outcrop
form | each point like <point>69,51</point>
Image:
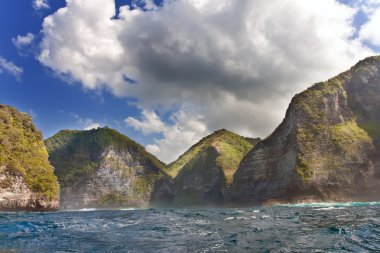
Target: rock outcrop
<point>101,168</point>
<point>27,181</point>
<point>163,192</point>
<point>326,149</point>
<point>204,172</point>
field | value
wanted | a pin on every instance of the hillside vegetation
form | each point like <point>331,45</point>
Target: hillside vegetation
<point>22,150</point>
<point>326,148</point>
<point>231,148</point>
<point>76,153</point>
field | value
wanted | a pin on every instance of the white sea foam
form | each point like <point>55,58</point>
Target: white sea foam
<point>87,210</point>
<point>332,204</point>
<point>329,208</point>
<point>100,209</point>
<point>128,209</point>
<point>242,218</point>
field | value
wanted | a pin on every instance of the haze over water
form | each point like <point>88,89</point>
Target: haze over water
<point>347,227</point>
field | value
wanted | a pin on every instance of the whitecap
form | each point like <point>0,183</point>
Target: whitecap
<point>329,208</point>
<point>242,218</point>
<point>87,210</point>
<point>128,209</point>
<point>332,204</point>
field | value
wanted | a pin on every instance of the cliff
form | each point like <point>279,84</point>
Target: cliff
<point>202,174</point>
<point>102,168</point>
<point>326,149</point>
<point>27,181</point>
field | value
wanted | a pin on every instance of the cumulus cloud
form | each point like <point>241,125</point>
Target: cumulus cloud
<point>10,68</point>
<point>82,41</point>
<point>91,125</point>
<point>150,123</point>
<point>85,123</point>
<point>232,64</point>
<point>40,4</point>
<point>177,137</point>
<point>369,32</point>
<point>21,41</point>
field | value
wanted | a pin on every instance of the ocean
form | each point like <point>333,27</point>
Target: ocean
<point>339,227</point>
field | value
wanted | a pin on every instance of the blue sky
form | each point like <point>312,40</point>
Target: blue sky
<point>52,102</point>
<point>197,69</point>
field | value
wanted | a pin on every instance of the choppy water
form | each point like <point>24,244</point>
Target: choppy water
<point>353,227</point>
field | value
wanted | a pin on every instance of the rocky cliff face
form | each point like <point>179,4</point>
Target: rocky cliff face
<point>15,194</point>
<point>205,171</point>
<point>102,168</point>
<point>327,147</point>
<point>27,181</point>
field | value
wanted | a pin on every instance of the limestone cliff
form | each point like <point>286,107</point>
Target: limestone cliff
<point>102,168</point>
<point>202,174</point>
<point>27,181</point>
<point>327,147</point>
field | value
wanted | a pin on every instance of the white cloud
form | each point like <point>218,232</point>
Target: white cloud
<point>91,125</point>
<point>21,41</point>
<point>40,4</point>
<point>177,137</point>
<point>11,68</point>
<point>370,31</point>
<point>364,5</point>
<point>233,64</point>
<point>33,113</point>
<point>150,123</point>
<point>85,123</point>
<point>144,4</point>
<point>81,40</point>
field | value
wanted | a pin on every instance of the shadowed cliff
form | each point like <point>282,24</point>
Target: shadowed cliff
<point>327,147</point>
<point>203,173</point>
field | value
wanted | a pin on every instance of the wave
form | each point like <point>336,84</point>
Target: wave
<point>333,204</point>
<point>288,229</point>
<point>87,210</point>
<point>100,209</point>
<point>329,208</point>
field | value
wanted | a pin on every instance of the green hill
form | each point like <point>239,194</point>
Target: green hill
<point>231,149</point>
<point>23,153</point>
<point>202,174</point>
<point>101,167</point>
<point>326,149</point>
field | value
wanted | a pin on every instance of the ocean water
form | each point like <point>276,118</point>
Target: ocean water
<point>351,227</point>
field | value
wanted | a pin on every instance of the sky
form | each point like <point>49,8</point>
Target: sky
<point>167,73</point>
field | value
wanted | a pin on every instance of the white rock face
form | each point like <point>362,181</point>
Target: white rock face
<point>116,183</point>
<point>15,194</point>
